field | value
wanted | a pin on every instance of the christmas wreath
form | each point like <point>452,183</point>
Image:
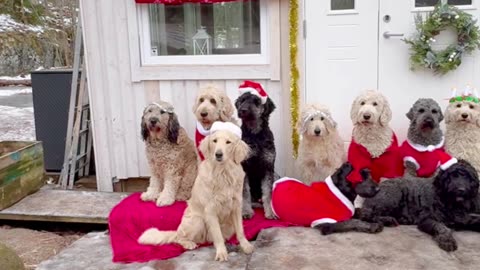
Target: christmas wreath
<point>443,16</point>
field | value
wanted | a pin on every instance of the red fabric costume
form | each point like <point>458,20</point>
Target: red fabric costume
<point>388,165</point>
<point>200,134</point>
<point>132,216</point>
<point>322,202</point>
<point>426,158</point>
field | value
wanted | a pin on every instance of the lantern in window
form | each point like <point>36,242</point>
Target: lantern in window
<point>202,42</point>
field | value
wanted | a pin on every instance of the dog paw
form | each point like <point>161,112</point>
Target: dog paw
<point>164,200</point>
<point>388,221</point>
<point>247,213</point>
<point>326,228</point>
<point>149,237</point>
<point>269,213</point>
<point>149,196</point>
<point>375,228</point>
<point>221,255</point>
<point>247,247</point>
<point>446,242</point>
<point>188,245</point>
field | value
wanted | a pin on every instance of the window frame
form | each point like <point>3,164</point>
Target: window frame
<point>461,7</point>
<point>220,59</point>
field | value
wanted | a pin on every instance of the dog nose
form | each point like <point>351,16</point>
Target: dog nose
<point>367,116</point>
<point>218,155</point>
<point>204,114</point>
<point>153,121</point>
<point>464,115</point>
<point>317,131</point>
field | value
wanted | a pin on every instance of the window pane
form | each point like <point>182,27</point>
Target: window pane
<point>460,2</point>
<point>425,3</point>
<point>197,29</point>
<point>342,4</point>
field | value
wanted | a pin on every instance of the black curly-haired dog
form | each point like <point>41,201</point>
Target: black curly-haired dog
<point>436,205</point>
<point>259,167</point>
<point>367,189</point>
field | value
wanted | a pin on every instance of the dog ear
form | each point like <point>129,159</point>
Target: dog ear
<point>440,115</point>
<point>449,116</point>
<point>204,147</point>
<point>144,130</point>
<point>386,115</point>
<point>226,112</point>
<point>173,127</point>
<point>195,105</point>
<point>410,114</point>
<point>354,110</point>
<point>240,152</point>
<point>440,182</point>
<point>268,108</point>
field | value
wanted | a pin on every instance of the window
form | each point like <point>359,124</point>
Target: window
<point>342,4</point>
<point>431,3</point>
<point>197,33</point>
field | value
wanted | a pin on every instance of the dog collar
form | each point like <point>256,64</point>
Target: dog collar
<point>423,148</point>
<point>167,110</point>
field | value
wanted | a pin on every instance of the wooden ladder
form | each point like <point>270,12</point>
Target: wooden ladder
<point>78,143</point>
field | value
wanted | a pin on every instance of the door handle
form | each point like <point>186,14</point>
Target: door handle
<point>389,35</point>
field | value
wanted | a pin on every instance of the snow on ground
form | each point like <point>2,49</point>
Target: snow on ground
<point>16,78</point>
<point>7,23</point>
<point>16,114</point>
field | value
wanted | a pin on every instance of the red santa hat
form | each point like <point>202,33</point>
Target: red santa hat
<point>446,160</point>
<point>253,88</point>
<point>228,126</point>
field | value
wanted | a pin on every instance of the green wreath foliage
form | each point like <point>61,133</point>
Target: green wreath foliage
<point>443,16</point>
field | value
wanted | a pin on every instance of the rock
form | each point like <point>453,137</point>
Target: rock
<point>9,259</point>
<point>403,247</point>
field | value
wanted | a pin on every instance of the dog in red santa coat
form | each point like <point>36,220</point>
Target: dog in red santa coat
<point>374,144</point>
<point>326,205</point>
<point>423,152</point>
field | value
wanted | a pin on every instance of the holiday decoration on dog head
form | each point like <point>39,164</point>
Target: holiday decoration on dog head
<point>315,114</point>
<point>163,109</point>
<point>228,126</point>
<point>253,88</point>
<point>467,95</point>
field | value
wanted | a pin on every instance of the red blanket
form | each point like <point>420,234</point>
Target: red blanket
<point>131,217</point>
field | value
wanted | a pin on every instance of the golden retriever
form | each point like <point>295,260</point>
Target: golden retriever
<point>214,212</point>
<point>321,151</point>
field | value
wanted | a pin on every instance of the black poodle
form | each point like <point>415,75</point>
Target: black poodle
<point>259,167</point>
<point>436,205</point>
<point>366,189</point>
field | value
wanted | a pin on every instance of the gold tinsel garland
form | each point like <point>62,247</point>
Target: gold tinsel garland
<point>294,74</point>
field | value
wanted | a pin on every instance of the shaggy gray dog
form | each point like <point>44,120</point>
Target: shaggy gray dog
<point>436,205</point>
<point>424,130</point>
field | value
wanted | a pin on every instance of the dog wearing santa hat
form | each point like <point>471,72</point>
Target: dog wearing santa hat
<point>374,145</point>
<point>324,205</point>
<point>423,152</point>
<point>254,108</point>
<point>462,119</point>
<point>211,105</point>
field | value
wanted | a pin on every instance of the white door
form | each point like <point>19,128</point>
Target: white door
<point>402,85</point>
<point>341,54</point>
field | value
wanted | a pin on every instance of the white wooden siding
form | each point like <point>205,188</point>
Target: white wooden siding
<point>117,102</point>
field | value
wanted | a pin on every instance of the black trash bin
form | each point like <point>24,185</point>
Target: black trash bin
<point>51,100</point>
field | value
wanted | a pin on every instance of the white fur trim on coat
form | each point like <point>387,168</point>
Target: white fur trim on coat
<point>339,194</point>
<point>449,163</point>
<point>411,159</point>
<point>202,130</point>
<point>322,221</point>
<point>423,148</point>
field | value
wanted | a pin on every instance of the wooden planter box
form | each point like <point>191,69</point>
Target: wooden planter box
<point>22,170</point>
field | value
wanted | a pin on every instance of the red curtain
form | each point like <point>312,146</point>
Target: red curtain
<point>179,2</point>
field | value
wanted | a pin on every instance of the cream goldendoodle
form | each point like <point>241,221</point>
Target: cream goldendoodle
<point>321,150</point>
<point>170,154</point>
<point>462,137</point>
<point>214,212</point>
